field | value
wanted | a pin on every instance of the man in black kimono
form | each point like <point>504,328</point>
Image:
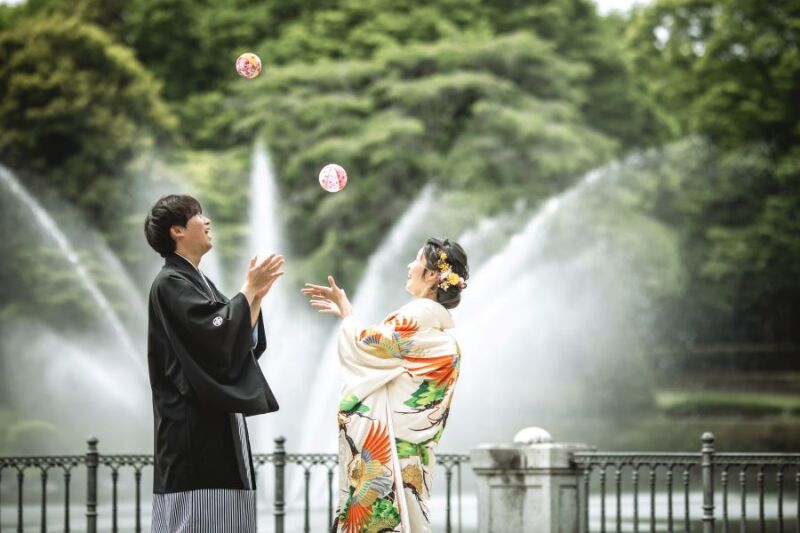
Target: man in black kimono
<point>202,350</point>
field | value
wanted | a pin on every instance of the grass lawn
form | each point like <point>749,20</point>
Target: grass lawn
<point>741,404</point>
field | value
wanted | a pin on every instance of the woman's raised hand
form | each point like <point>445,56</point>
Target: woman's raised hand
<point>330,300</point>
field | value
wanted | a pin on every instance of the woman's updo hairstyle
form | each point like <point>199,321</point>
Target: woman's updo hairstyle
<point>457,259</point>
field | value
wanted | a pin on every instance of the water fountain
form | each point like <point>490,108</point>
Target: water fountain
<point>554,323</point>
<point>63,375</point>
<point>66,372</point>
<point>291,328</point>
<point>265,238</point>
<point>50,230</point>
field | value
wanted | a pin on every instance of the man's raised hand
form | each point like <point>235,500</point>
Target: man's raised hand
<point>261,275</point>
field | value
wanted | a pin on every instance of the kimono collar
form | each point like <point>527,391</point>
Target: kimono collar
<point>186,260</point>
<point>179,262</point>
<point>439,315</point>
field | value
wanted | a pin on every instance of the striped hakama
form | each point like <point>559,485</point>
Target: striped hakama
<point>208,510</point>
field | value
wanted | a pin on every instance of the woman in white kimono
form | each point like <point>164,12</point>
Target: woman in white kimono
<point>399,378</point>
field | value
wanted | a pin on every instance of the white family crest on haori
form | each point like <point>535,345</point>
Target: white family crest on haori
<point>217,321</point>
<point>399,378</point>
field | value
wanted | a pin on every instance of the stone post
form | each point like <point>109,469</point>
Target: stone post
<point>528,486</point>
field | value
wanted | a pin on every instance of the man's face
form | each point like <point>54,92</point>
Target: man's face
<point>195,237</point>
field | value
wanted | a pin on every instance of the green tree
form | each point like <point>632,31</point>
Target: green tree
<point>497,117</point>
<point>74,109</point>
<point>192,47</point>
<point>11,15</point>
<point>613,103</point>
<point>730,71</point>
<point>358,29</point>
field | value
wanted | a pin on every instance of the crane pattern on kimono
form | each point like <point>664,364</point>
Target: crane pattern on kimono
<point>438,373</point>
<point>370,501</point>
<point>371,505</point>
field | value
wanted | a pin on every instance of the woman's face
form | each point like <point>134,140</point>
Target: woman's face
<point>421,281</point>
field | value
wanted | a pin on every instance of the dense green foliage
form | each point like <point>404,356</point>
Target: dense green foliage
<point>493,101</point>
<point>730,70</point>
<point>75,108</point>
<point>455,113</point>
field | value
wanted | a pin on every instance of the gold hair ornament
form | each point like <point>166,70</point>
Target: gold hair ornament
<point>447,277</point>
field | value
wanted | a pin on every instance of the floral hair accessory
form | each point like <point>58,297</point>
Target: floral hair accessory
<point>447,277</point>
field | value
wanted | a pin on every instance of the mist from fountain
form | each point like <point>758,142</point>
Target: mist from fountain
<point>266,238</point>
<point>50,230</point>
<point>554,323</point>
<point>62,382</point>
<point>60,376</point>
<point>489,236</point>
<point>291,329</point>
<point>265,226</point>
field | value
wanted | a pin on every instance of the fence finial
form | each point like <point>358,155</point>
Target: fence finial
<point>92,461</point>
<point>707,466</point>
<point>279,503</point>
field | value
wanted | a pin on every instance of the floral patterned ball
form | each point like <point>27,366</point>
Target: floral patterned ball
<point>332,178</point>
<point>248,65</point>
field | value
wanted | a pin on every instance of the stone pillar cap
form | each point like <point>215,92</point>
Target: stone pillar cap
<point>532,435</point>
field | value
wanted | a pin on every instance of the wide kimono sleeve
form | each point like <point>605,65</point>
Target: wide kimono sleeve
<point>372,356</point>
<point>213,342</point>
<point>259,337</point>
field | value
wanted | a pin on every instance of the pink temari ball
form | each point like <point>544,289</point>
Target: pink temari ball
<point>332,178</point>
<point>248,65</point>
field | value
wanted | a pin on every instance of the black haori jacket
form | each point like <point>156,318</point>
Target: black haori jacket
<point>203,370</point>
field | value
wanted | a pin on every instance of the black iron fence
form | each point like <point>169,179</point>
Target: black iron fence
<point>662,471</point>
<point>19,465</point>
<point>691,492</point>
<point>92,462</point>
